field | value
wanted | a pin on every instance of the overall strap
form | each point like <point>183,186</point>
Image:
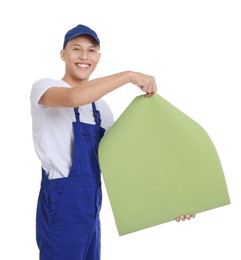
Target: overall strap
<point>76,111</point>
<point>96,114</point>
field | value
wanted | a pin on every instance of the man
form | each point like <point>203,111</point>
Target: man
<point>69,120</point>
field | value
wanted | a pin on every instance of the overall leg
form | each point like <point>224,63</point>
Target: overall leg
<point>42,228</point>
<point>94,252</point>
<point>66,224</point>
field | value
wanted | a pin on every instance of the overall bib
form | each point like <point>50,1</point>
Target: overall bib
<point>67,221</point>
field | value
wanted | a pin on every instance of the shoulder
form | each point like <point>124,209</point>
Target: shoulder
<point>48,82</point>
<point>43,84</point>
<point>102,103</point>
<point>40,86</point>
<point>102,106</point>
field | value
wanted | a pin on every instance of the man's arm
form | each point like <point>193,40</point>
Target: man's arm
<point>93,90</point>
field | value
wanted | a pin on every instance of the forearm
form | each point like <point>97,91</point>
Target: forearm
<point>93,90</point>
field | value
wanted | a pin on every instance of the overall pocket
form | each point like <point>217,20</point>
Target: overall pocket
<point>54,199</point>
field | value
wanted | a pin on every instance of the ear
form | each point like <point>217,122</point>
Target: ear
<point>62,55</point>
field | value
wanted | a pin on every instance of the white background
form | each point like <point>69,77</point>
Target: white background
<point>193,50</point>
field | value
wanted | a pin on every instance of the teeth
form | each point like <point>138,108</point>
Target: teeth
<point>83,65</point>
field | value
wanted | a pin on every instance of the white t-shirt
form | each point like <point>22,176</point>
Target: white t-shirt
<point>52,128</point>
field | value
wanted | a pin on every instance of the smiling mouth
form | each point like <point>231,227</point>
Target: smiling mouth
<point>84,66</point>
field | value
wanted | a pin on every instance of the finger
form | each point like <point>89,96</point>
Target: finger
<point>149,94</point>
<point>178,219</point>
<point>188,216</point>
<point>146,90</point>
<point>152,87</point>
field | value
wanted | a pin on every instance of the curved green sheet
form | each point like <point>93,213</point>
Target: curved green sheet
<point>157,163</point>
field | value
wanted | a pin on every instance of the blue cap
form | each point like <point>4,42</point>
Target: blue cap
<point>80,30</point>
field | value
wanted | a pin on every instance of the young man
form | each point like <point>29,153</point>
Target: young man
<point>69,120</point>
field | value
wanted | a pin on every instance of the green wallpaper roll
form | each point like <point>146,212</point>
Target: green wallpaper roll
<point>157,163</point>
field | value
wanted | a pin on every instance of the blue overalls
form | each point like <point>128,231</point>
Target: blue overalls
<point>67,222</point>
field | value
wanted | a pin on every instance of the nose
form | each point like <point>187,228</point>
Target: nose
<point>83,55</point>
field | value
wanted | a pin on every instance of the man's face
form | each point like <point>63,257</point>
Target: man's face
<point>81,56</point>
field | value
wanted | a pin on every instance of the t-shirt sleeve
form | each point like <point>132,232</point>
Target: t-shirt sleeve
<point>110,119</point>
<point>106,115</point>
<point>39,87</point>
